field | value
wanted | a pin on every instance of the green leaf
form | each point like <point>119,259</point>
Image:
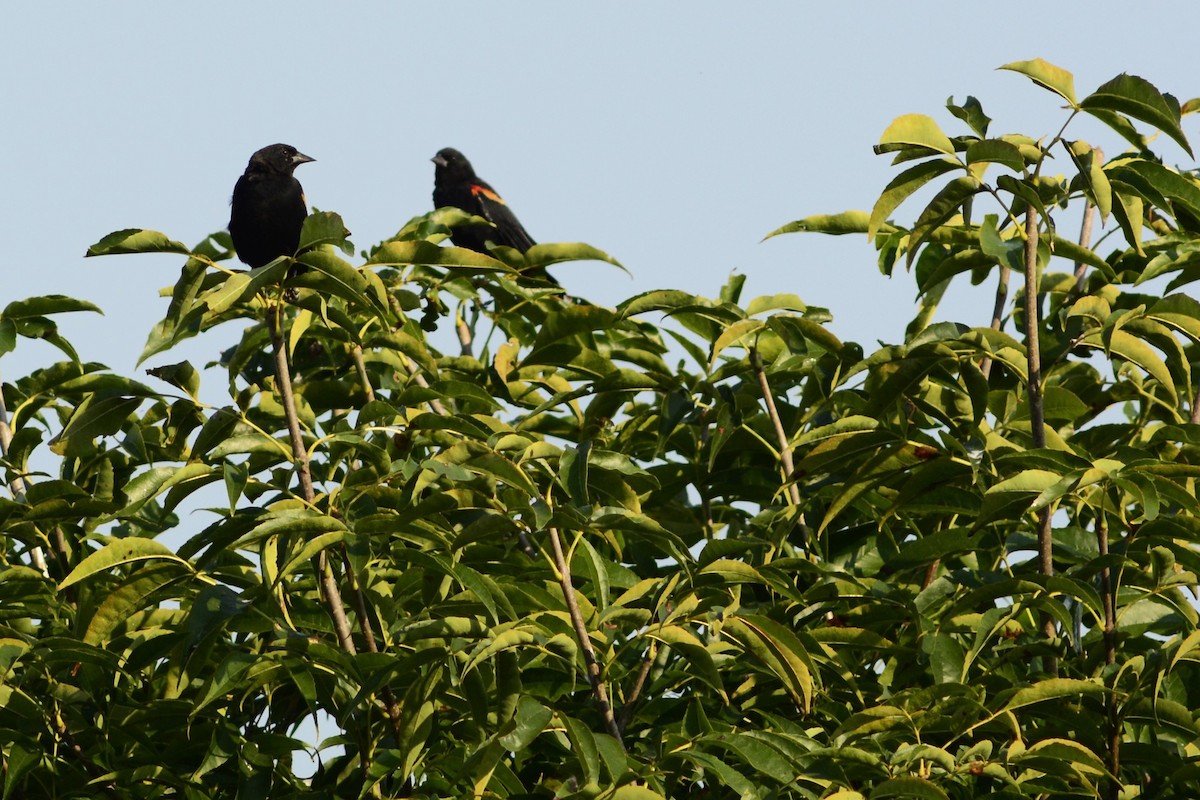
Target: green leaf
<point>774,302</point>
<point>1008,252</point>
<point>541,256</point>
<point>8,336</point>
<point>1129,213</point>
<point>421,252</point>
<point>531,719</point>
<point>1091,171</point>
<point>322,227</point>
<point>153,482</point>
<point>632,792</point>
<point>135,240</point>
<point>908,787</point>
<point>1131,348</point>
<point>1011,498</point>
<point>1047,75</point>
<point>919,130</point>
<point>296,522</point>
<point>1161,179</point>
<point>903,186</point>
<point>312,546</point>
<point>1138,98</point>
<point>779,650</point>
<point>1052,689</point>
<point>688,645</point>
<point>945,204</point>
<point>47,304</point>
<point>143,588</point>
<point>116,553</point>
<point>1065,751</point>
<point>98,415</point>
<point>736,334</point>
<point>970,112</point>
<point>583,743</point>
<point>20,761</point>
<point>332,275</point>
<point>996,151</point>
<point>182,375</point>
<point>241,286</point>
<point>833,224</point>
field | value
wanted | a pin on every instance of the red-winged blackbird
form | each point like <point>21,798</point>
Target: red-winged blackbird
<point>268,207</point>
<point>456,184</point>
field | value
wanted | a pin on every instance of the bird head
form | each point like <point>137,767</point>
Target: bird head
<point>278,158</point>
<point>453,162</point>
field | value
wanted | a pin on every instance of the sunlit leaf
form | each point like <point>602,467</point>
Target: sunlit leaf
<point>1047,75</point>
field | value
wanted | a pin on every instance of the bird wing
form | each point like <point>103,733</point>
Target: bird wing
<point>509,231</point>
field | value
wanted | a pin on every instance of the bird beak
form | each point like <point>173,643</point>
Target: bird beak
<point>439,160</point>
<point>300,158</point>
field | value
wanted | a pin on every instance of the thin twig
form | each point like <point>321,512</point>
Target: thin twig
<point>419,380</point>
<point>636,691</point>
<point>985,366</point>
<point>283,376</point>
<point>1085,230</point>
<point>337,609</point>
<point>585,641</point>
<point>1110,657</point>
<point>1085,237</point>
<point>1036,413</point>
<point>785,449</point>
<point>360,366</point>
<point>464,335</point>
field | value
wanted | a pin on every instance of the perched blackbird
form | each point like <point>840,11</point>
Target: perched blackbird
<point>455,184</point>
<point>268,206</point>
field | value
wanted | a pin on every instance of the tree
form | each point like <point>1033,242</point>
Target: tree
<point>555,564</point>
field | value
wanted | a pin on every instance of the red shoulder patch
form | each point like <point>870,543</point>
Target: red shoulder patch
<point>483,191</point>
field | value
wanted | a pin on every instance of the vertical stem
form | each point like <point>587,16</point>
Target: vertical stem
<point>283,376</point>
<point>464,334</point>
<point>419,380</point>
<point>1110,657</point>
<point>1036,413</point>
<point>1085,238</point>
<point>785,449</point>
<point>998,307</point>
<point>1085,230</point>
<point>585,641</point>
<point>638,684</point>
<point>360,366</point>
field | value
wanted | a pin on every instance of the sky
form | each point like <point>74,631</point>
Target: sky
<point>673,136</point>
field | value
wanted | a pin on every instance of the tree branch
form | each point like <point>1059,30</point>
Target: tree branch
<point>985,366</point>
<point>638,685</point>
<point>1036,413</point>
<point>585,641</point>
<point>360,366</point>
<point>283,376</point>
<point>785,449</point>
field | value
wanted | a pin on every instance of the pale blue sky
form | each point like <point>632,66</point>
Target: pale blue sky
<point>672,135</point>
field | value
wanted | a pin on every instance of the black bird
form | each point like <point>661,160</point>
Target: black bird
<point>456,184</point>
<point>268,207</point>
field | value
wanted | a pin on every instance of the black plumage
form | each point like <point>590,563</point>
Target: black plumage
<point>268,207</point>
<point>456,184</point>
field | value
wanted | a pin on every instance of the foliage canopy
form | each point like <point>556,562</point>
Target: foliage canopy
<point>683,546</point>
